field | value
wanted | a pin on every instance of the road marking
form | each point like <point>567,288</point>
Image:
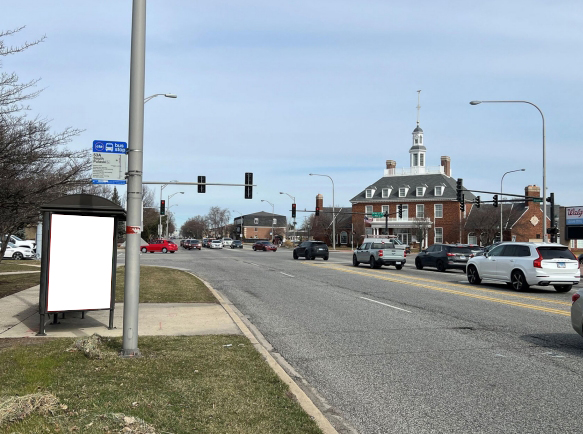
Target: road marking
<point>385,304</point>
<point>285,274</point>
<point>465,294</point>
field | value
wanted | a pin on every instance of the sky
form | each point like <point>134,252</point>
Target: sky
<point>284,89</point>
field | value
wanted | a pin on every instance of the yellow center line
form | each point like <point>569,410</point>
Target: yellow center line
<point>456,292</point>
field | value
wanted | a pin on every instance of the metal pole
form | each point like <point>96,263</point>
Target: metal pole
<point>134,188</point>
<point>501,204</point>
<point>294,219</point>
<point>333,211</point>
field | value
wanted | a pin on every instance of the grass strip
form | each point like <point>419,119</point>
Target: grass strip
<point>24,265</point>
<point>13,283</point>
<point>166,285</point>
<point>210,384</point>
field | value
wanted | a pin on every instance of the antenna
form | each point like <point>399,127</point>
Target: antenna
<point>418,105</point>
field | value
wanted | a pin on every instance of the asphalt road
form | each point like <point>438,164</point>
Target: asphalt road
<point>409,351</point>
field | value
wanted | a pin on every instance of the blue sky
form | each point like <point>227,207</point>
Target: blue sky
<point>287,89</point>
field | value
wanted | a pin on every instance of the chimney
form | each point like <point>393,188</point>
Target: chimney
<point>320,201</point>
<point>446,164</point>
<point>531,190</point>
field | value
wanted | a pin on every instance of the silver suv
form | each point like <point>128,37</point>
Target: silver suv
<point>521,265</point>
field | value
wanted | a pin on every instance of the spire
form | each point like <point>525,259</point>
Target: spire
<point>418,105</point>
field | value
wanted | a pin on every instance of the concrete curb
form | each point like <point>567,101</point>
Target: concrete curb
<point>306,403</point>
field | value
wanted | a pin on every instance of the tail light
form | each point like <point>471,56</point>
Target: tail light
<point>405,255</point>
<point>451,254</point>
<point>575,297</point>
<point>537,262</point>
<point>380,253</point>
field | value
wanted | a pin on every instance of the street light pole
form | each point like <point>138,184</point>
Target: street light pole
<point>241,224</point>
<point>168,208</point>
<point>167,95</point>
<point>333,211</point>
<point>502,204</point>
<point>272,218</point>
<point>544,158</point>
<point>294,219</point>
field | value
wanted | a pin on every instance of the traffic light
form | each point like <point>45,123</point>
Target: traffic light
<point>477,201</point>
<point>162,207</point>
<point>317,210</point>
<point>202,184</point>
<point>248,185</point>
<point>495,201</point>
<point>400,209</point>
<point>293,210</point>
<point>463,203</point>
<point>458,189</point>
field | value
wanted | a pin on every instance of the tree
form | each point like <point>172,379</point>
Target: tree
<point>421,229</point>
<point>218,219</point>
<point>151,216</point>
<point>35,166</point>
<point>194,227</point>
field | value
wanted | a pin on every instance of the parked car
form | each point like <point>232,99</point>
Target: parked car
<point>312,250</point>
<point>15,252</point>
<point>380,251</point>
<point>227,241</point>
<point>236,244</point>
<point>161,245</point>
<point>205,242</point>
<point>216,244</point>
<point>522,264</point>
<point>577,312</point>
<point>264,245</point>
<point>444,257</point>
<point>18,242</point>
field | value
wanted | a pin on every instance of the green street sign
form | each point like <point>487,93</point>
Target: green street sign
<point>537,200</point>
<point>378,214</point>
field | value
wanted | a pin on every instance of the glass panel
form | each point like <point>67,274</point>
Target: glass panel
<point>556,253</point>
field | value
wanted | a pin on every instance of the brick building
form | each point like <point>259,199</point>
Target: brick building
<point>322,230</point>
<point>431,212</point>
<point>259,225</point>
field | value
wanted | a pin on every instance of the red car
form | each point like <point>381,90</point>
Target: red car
<point>264,245</point>
<point>163,246</point>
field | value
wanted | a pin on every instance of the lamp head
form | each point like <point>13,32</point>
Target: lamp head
<point>475,102</point>
<point>262,200</point>
<point>170,95</point>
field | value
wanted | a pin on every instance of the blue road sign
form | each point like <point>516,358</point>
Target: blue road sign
<point>107,146</point>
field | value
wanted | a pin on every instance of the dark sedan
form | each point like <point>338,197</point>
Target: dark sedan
<point>312,250</point>
<point>236,244</point>
<point>264,245</point>
<point>444,256</point>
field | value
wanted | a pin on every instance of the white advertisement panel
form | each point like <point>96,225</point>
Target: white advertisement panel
<point>574,215</point>
<point>81,252</point>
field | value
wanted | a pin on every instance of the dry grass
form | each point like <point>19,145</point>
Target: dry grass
<point>16,408</point>
<point>13,283</point>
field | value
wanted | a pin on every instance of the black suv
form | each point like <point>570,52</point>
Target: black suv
<point>311,250</point>
<point>444,256</point>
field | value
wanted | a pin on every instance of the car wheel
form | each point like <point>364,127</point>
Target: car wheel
<point>295,255</point>
<point>518,281</point>
<point>164,250</point>
<point>17,256</point>
<point>254,249</point>
<point>144,250</point>
<point>372,262</point>
<point>563,288</point>
<point>354,261</point>
<point>418,264</point>
<point>398,267</point>
<point>473,276</point>
<point>325,258</point>
<point>440,266</point>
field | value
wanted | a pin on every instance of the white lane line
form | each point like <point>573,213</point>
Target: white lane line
<point>384,304</point>
<point>285,274</point>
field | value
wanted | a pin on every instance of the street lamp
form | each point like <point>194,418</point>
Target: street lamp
<point>167,217</point>
<point>167,95</point>
<point>544,159</point>
<point>294,219</point>
<point>333,212</point>
<point>162,187</point>
<point>241,223</point>
<point>272,218</point>
<point>501,204</point>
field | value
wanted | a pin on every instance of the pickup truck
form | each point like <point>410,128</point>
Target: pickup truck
<point>378,252</point>
<point>29,244</point>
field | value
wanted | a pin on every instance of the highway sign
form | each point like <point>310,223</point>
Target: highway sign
<point>378,214</point>
<point>109,162</point>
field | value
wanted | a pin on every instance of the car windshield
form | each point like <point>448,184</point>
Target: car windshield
<point>556,253</point>
<point>16,238</point>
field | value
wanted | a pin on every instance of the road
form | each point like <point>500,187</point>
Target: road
<point>409,351</point>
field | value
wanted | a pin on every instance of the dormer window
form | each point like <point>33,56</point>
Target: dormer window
<point>403,191</point>
<point>256,221</point>
<point>439,190</point>
<point>386,192</point>
<point>420,191</point>
<point>369,193</point>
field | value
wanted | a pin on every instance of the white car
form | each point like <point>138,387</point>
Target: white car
<point>15,252</point>
<point>31,244</point>
<point>216,244</point>
<point>522,264</point>
<point>227,242</point>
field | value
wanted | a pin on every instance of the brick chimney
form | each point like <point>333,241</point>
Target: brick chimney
<point>531,190</point>
<point>446,164</point>
<point>320,201</point>
<point>391,164</point>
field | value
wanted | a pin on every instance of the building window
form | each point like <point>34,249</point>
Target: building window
<point>256,221</point>
<point>343,238</point>
<point>369,193</point>
<point>439,235</point>
<point>420,191</point>
<point>385,209</point>
<point>420,140</point>
<point>420,211</point>
<point>255,229</point>
<point>386,192</point>
<point>368,210</point>
<point>402,192</point>
<point>416,140</point>
<point>405,212</point>
<point>275,221</point>
<point>415,162</point>
<point>421,160</point>
<point>438,211</point>
<point>472,239</point>
<point>439,190</point>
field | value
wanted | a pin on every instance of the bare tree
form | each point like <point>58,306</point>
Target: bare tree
<point>194,227</point>
<point>421,229</point>
<point>218,218</point>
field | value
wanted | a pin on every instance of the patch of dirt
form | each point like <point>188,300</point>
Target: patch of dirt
<point>92,347</point>
<point>129,424</point>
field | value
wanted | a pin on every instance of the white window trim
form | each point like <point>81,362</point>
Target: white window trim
<point>422,191</point>
<point>406,190</point>
<point>435,211</point>
<point>440,188</point>
<point>256,221</point>
<point>385,208</point>
<point>366,208</point>
<point>369,193</point>
<point>421,159</point>
<point>417,211</point>
<point>275,220</point>
<point>388,191</point>
<point>438,240</point>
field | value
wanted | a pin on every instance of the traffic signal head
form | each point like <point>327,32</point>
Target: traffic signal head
<point>462,204</point>
<point>400,209</point>
<point>202,184</point>
<point>162,207</point>
<point>477,201</point>
<point>293,210</point>
<point>458,189</point>
<point>495,201</point>
<point>317,210</point>
<point>248,185</point>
